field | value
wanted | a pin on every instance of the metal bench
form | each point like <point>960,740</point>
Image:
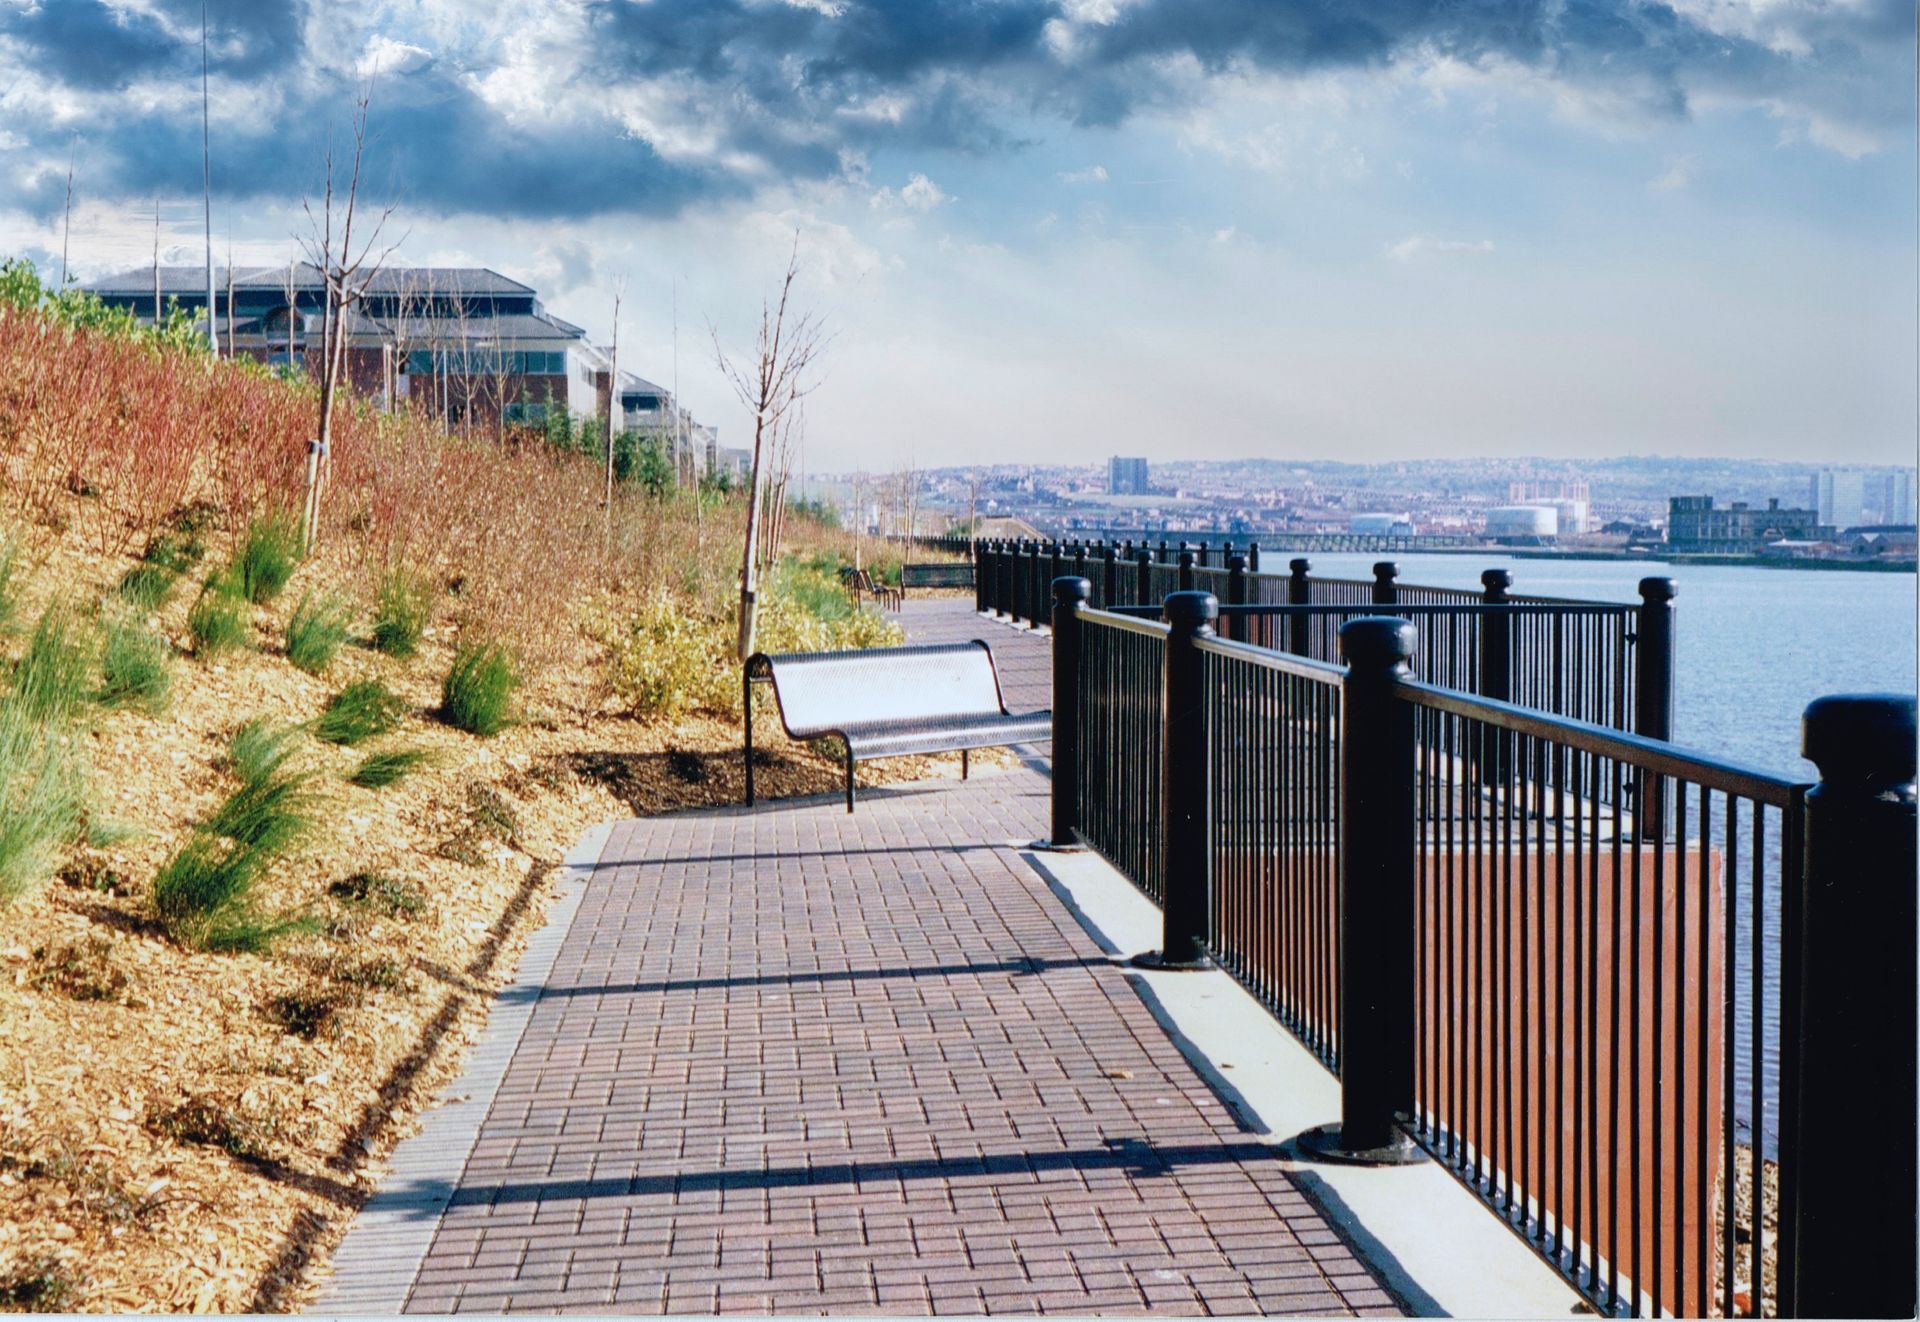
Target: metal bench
<point>937,574</point>
<point>891,702</point>
<point>858,581</point>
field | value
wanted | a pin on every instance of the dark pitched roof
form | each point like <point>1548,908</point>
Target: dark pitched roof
<point>396,279</point>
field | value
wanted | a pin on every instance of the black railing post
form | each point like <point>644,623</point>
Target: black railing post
<point>1109,574</point>
<point>1236,627</point>
<point>979,550</point>
<point>1186,760</point>
<point>1186,569</point>
<point>1496,638</point>
<point>1004,579</point>
<point>1253,557</point>
<point>1200,553</point>
<point>1378,912</point>
<point>1653,694</point>
<point>1385,591</point>
<point>1143,578</point>
<point>1070,594</point>
<point>1299,593</point>
<point>1847,1181</point>
<point>1080,559</point>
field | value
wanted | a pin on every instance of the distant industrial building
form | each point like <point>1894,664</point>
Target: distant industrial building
<point>1693,524</point>
<point>1893,492</point>
<point>1571,501</point>
<point>1382,525</point>
<point>1523,525</point>
<point>1126,477</point>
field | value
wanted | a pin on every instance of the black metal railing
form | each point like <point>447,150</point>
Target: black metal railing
<point>1624,991</point>
<point>1591,661</point>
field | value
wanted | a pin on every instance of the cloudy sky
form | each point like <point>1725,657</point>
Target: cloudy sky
<point>1056,229</point>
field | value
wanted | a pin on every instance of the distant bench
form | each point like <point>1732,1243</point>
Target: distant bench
<point>891,702</point>
<point>937,574</point>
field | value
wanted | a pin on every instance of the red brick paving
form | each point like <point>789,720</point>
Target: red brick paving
<point>794,1061</point>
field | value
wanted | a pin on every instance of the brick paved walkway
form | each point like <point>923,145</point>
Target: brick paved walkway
<point>798,1061</point>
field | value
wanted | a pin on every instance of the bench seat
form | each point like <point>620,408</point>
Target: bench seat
<point>945,734</point>
<point>890,702</point>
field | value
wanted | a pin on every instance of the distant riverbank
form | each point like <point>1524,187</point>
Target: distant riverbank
<point>1871,566</point>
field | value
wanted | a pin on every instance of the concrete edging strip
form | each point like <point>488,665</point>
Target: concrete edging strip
<point>375,1265</point>
<point>1436,1245</point>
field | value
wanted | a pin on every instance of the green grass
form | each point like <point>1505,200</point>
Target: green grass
<point>169,555</point>
<point>42,800</point>
<point>136,667</point>
<point>402,605</point>
<point>52,681</point>
<point>380,770</point>
<point>316,632</point>
<point>267,814</point>
<point>9,581</point>
<point>268,556</point>
<point>259,749</point>
<point>218,621</point>
<point>358,712</point>
<point>203,897</point>
<point>478,689</point>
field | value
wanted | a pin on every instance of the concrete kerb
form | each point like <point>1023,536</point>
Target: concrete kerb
<point>1435,1244</point>
<point>376,1264</point>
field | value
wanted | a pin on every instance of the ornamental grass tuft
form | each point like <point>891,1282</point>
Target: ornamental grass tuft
<point>316,632</point>
<point>358,712</point>
<point>478,689</point>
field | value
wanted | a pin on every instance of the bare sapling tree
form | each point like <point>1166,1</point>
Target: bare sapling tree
<point>613,392</point>
<point>788,345</point>
<point>348,254</point>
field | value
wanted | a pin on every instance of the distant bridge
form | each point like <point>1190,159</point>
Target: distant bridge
<point>1327,542</point>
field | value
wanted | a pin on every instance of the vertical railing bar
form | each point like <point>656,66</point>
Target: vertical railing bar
<point>1702,1184</point>
<point>1757,961</point>
<point>1728,974</point>
<point>1618,943</point>
<point>1678,1293</point>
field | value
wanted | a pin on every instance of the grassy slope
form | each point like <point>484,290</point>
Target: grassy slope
<point>181,1130</point>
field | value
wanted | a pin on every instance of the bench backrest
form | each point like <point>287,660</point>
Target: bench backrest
<point>937,574</point>
<point>822,691</point>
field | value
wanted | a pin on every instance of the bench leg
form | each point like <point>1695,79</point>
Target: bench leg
<point>849,780</point>
<point>963,764</point>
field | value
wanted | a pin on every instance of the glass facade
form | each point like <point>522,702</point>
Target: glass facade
<point>478,362</point>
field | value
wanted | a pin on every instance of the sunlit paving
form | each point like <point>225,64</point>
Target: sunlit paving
<point>856,657</point>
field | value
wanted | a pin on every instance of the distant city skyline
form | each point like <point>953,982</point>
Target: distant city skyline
<point>1061,230</point>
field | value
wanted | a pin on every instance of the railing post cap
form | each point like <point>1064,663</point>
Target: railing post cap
<point>1377,642</point>
<point>1186,554</point>
<point>1299,564</point>
<point>1860,738</point>
<point>1496,578</point>
<point>1386,569</point>
<point>1191,610</point>
<point>1656,590</point>
<point>1069,588</point>
<point>1236,563</point>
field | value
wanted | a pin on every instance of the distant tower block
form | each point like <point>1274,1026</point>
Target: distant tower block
<point>1126,477</point>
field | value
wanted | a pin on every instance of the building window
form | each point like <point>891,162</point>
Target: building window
<point>486,362</point>
<point>524,411</point>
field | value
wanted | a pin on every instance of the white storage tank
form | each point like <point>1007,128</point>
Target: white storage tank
<point>1523,524</point>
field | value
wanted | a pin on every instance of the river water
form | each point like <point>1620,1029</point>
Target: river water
<point>1754,646</point>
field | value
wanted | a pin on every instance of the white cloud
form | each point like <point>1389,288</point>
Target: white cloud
<point>1678,174</point>
<point>1093,174</point>
<point>384,55</point>
<point>1417,245</point>
<point>919,193</point>
<point>1225,235</point>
